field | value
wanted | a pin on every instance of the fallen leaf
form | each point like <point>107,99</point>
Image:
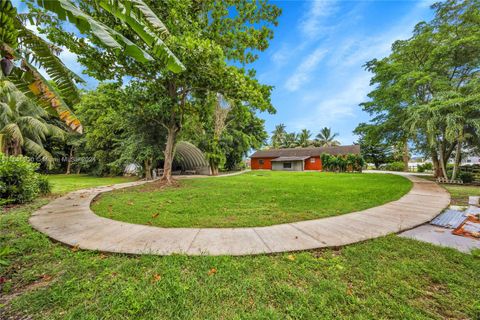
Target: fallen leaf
<point>149,223</point>
<point>75,248</point>
<point>157,277</point>
<point>212,271</point>
<point>291,257</point>
<point>350,289</point>
<point>46,277</point>
<point>155,215</point>
<point>130,203</point>
<point>102,256</point>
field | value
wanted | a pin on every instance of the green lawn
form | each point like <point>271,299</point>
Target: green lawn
<point>461,193</point>
<point>386,278</point>
<point>251,199</point>
<point>62,183</point>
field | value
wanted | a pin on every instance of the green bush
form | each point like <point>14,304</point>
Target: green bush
<point>44,185</point>
<point>428,166</point>
<point>342,163</point>
<point>466,177</point>
<point>18,180</point>
<point>394,166</point>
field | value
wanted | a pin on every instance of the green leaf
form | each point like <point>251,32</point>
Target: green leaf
<point>67,11</point>
<point>41,53</point>
<point>31,83</point>
<point>138,16</point>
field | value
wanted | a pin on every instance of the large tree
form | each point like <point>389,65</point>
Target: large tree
<point>17,42</point>
<point>440,60</point>
<point>278,136</point>
<point>304,138</point>
<point>204,36</point>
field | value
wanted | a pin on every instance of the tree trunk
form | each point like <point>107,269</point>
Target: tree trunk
<point>437,171</point>
<point>442,160</point>
<point>169,153</point>
<point>69,162</point>
<point>405,155</point>
<point>148,168</point>
<point>458,157</point>
<point>214,168</point>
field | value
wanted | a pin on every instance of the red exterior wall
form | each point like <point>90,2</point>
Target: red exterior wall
<point>267,163</point>
<point>317,165</point>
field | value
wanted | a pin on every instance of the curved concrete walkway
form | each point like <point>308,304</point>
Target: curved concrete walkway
<point>69,220</point>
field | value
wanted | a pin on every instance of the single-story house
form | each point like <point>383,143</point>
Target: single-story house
<point>297,159</point>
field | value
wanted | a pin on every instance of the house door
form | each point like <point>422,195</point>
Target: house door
<point>261,162</point>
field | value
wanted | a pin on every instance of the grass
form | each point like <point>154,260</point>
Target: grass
<point>251,199</point>
<point>460,193</point>
<point>388,278</point>
<point>62,183</point>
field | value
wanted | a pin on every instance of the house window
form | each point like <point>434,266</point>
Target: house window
<point>287,165</point>
<point>260,162</point>
<point>312,160</point>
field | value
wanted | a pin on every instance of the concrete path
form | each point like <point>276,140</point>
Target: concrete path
<point>69,220</point>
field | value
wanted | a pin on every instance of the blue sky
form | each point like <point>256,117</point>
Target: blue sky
<point>315,61</point>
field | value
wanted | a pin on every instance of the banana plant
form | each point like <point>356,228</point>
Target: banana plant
<point>19,43</point>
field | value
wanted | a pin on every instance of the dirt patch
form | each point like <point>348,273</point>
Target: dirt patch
<point>159,186</point>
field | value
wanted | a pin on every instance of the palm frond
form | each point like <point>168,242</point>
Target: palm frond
<point>55,132</point>
<point>33,127</point>
<point>12,132</point>
<point>38,150</point>
<point>32,84</point>
<point>5,112</point>
<point>40,52</point>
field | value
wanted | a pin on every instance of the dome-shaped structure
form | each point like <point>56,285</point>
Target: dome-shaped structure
<point>189,157</point>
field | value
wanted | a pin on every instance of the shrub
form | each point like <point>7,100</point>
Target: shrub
<point>394,166</point>
<point>18,180</point>
<point>428,166</point>
<point>44,185</point>
<point>466,177</point>
<point>342,163</point>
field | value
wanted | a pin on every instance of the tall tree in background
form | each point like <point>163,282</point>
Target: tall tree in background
<point>372,146</point>
<point>214,154</point>
<point>304,138</point>
<point>290,140</point>
<point>278,136</point>
<point>437,67</point>
<point>204,36</point>
<point>325,138</point>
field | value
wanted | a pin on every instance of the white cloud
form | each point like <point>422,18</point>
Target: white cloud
<point>303,71</point>
<point>313,22</point>
<point>329,107</point>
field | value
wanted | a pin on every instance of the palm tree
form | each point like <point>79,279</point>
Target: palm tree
<point>290,141</point>
<point>304,138</point>
<point>326,139</point>
<point>278,136</point>
<point>22,125</point>
<point>20,43</point>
